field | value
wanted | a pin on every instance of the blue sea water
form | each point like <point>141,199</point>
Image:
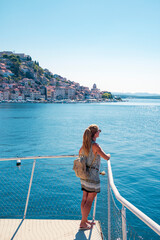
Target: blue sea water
<point>130,133</point>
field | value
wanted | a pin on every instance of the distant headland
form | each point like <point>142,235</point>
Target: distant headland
<point>23,80</point>
<point>138,95</point>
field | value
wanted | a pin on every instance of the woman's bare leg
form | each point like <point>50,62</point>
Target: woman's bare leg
<point>86,207</point>
<point>84,199</point>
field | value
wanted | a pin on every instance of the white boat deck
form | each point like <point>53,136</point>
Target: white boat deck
<point>39,229</point>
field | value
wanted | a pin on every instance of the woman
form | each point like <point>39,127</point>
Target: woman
<point>91,186</point>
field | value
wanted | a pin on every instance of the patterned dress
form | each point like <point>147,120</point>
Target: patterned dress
<point>93,183</point>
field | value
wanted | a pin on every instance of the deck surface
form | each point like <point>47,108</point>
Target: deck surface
<point>39,229</point>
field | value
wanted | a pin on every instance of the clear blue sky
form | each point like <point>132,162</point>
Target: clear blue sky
<point>115,44</point>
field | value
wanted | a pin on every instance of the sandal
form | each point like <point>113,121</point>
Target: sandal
<point>91,223</point>
<point>85,228</point>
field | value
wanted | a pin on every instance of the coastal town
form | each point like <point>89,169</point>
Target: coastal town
<point>23,80</point>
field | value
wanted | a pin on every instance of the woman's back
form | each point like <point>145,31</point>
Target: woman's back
<point>91,157</point>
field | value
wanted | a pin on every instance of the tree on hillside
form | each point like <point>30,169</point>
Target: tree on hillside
<point>14,58</point>
<point>16,62</point>
<point>5,56</point>
<point>40,71</point>
<point>107,95</point>
<point>57,84</point>
<point>37,68</point>
<point>29,58</point>
<point>29,75</point>
<point>15,68</point>
<point>37,63</point>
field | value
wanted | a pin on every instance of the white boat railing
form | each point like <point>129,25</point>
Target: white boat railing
<point>32,173</point>
<point>37,157</point>
<point>143,217</point>
<point>148,221</point>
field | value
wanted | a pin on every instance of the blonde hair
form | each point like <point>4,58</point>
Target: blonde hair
<point>88,137</point>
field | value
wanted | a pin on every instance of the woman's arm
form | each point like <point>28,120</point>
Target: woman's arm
<point>97,149</point>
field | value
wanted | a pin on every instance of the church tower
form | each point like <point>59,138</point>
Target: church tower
<point>94,86</point>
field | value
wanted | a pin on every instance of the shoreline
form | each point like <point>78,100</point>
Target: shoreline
<point>62,101</point>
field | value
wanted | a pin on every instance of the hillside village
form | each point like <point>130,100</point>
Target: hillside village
<point>22,79</point>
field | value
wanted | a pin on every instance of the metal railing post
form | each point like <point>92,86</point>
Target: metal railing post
<point>94,209</point>
<point>109,212</point>
<point>124,229</point>
<point>29,189</point>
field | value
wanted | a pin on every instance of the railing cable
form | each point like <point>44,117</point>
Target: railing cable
<point>143,217</point>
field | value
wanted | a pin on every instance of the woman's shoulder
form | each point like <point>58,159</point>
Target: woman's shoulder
<point>95,146</point>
